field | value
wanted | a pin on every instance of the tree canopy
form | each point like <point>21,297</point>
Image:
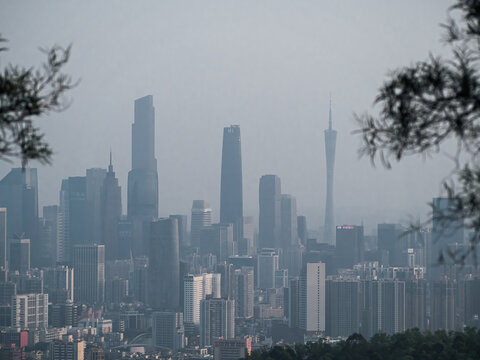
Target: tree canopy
<point>25,95</point>
<point>424,105</point>
<point>409,345</point>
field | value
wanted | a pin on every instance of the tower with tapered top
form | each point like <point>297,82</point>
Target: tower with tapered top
<point>330,142</point>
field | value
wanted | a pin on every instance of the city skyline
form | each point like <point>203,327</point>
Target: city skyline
<point>285,126</point>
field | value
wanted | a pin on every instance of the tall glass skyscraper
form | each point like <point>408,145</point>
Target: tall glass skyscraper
<point>143,178</point>
<point>231,195</point>
<point>269,217</point>
<point>330,142</point>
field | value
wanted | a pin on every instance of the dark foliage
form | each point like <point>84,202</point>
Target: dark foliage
<point>411,345</point>
<point>424,105</point>
<point>26,94</point>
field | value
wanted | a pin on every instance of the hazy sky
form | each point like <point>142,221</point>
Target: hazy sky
<point>267,66</point>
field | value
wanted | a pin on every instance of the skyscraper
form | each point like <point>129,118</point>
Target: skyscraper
<point>167,330</point>
<point>349,249</point>
<point>142,191</point>
<point>89,273</point>
<point>19,255</point>
<point>111,213</point>
<point>231,196</point>
<point>201,217</point>
<point>217,320</point>
<point>19,195</point>
<point>330,142</point>
<point>74,217</point>
<point>163,273</point>
<point>312,297</point>
<point>269,218</point>
<point>143,178</point>
<point>288,211</point>
<point>95,178</point>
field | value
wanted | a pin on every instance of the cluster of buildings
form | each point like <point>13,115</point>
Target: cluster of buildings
<point>85,281</point>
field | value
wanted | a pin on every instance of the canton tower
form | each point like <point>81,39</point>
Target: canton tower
<point>330,142</point>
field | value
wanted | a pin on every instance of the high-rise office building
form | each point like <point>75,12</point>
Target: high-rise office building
<point>243,292</point>
<point>269,218</point>
<point>246,245</point>
<point>143,178</point>
<point>392,241</point>
<point>217,320</point>
<point>267,265</point>
<point>167,330</point>
<point>302,229</point>
<point>312,297</point>
<point>3,238</point>
<point>111,205</point>
<point>164,265</point>
<point>350,246</point>
<point>142,191</point>
<point>48,236</point>
<point>74,217</point>
<point>58,283</point>
<point>182,230</point>
<point>95,178</point>
<point>330,143</point>
<point>19,195</point>
<point>217,239</point>
<point>288,219</point>
<point>201,217</point>
<point>19,259</point>
<point>231,196</point>
<point>89,273</point>
<point>30,311</point>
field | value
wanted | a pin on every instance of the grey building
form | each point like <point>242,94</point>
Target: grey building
<point>267,265</point>
<point>167,330</point>
<point>231,195</point>
<point>89,273</point>
<point>342,307</point>
<point>142,191</point>
<point>288,219</point>
<point>392,242</point>
<point>30,311</point>
<point>350,246</point>
<point>201,217</point>
<point>302,230</point>
<point>243,282</point>
<point>111,212</point>
<point>217,239</point>
<point>217,320</point>
<point>183,240</point>
<point>74,217</point>
<point>19,259</point>
<point>19,195</point>
<point>269,217</point>
<point>164,265</point>
<point>143,178</point>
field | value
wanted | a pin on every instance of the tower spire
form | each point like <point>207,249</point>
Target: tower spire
<point>330,114</point>
<point>110,166</point>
